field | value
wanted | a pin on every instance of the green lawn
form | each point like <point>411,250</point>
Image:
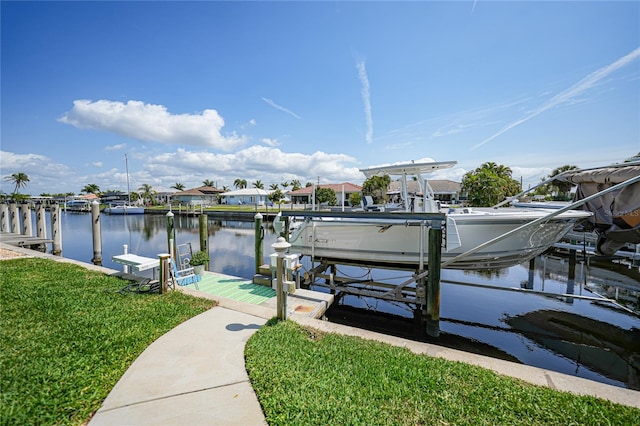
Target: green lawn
<point>304,377</point>
<point>67,336</point>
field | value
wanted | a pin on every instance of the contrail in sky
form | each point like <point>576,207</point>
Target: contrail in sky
<point>577,89</point>
<point>281,108</point>
<point>366,99</point>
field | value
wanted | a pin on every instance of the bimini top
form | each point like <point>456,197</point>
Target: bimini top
<point>408,168</point>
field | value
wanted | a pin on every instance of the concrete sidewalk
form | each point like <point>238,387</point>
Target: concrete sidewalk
<point>193,375</point>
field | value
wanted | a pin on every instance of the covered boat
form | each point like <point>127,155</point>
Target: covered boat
<point>616,214</point>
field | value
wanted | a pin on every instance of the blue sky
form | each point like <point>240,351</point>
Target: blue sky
<point>275,91</point>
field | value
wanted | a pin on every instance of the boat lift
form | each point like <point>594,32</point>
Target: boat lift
<point>423,288</point>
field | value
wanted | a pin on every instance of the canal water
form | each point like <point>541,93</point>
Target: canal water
<point>523,321</point>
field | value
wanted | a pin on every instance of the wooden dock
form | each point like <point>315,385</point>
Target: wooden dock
<point>20,240</point>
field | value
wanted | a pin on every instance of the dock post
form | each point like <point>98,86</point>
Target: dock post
<point>41,221</point>
<point>14,219</point>
<point>4,217</point>
<point>95,228</point>
<point>41,225</point>
<point>280,246</point>
<point>56,230</point>
<point>532,270</point>
<point>25,213</point>
<point>433,279</point>
<point>571,279</point>
<point>204,233</point>
<point>259,236</point>
<point>164,271</point>
<point>171,235</point>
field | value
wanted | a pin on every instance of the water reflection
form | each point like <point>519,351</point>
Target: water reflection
<point>592,344</point>
<point>581,337</point>
<point>230,243</point>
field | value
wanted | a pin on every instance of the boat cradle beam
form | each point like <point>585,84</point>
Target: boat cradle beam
<point>426,292</point>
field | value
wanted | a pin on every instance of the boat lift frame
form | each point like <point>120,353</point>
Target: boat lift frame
<point>426,293</point>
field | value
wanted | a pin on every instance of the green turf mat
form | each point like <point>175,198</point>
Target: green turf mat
<point>233,288</point>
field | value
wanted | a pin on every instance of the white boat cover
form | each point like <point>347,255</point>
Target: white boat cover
<point>616,215</point>
<point>407,168</point>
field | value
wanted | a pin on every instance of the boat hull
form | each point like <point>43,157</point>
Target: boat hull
<point>397,243</point>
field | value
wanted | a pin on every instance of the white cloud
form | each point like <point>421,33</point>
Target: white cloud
<point>270,165</point>
<point>148,122</point>
<point>44,174</point>
<point>117,147</point>
<point>281,108</point>
<point>366,99</point>
<point>270,142</point>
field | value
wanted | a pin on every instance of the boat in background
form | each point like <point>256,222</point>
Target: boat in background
<point>125,208</point>
<point>78,205</point>
<point>474,238</point>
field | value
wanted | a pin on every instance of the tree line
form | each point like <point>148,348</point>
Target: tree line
<point>487,185</point>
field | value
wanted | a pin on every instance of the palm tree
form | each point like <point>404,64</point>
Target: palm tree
<point>178,186</point>
<point>295,185</point>
<point>240,183</point>
<point>273,186</point>
<point>258,184</point>
<point>208,182</point>
<point>19,179</point>
<point>489,184</point>
<point>284,185</point>
<point>91,188</point>
<point>147,193</point>
<point>563,187</point>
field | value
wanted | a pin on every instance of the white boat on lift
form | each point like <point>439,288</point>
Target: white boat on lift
<point>399,238</point>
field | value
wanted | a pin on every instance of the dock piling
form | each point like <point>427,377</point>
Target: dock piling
<point>280,246</point>
<point>25,213</point>
<point>56,230</point>
<point>204,234</point>
<point>259,236</point>
<point>171,235</point>
<point>95,228</point>
<point>41,221</point>
<point>14,218</point>
<point>164,271</point>
<point>433,279</point>
<point>4,218</point>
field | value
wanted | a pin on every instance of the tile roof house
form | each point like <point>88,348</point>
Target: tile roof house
<point>304,195</point>
<point>203,195</point>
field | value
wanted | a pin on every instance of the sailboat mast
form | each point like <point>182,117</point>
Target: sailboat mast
<point>126,165</point>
